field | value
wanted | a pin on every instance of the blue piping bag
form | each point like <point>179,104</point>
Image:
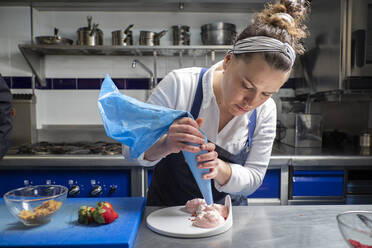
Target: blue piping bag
<point>139,125</point>
<point>204,185</point>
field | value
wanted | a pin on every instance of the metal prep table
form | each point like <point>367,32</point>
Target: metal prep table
<point>264,226</point>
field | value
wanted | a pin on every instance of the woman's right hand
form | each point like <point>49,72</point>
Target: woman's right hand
<point>181,131</point>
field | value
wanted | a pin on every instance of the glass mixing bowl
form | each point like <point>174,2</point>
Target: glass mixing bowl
<point>35,205</point>
<point>356,228</point>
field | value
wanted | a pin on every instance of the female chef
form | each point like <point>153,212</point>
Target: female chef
<point>231,102</point>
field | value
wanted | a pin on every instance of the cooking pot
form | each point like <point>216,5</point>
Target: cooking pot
<point>122,37</point>
<point>181,35</point>
<point>218,33</point>
<point>149,38</point>
<point>91,35</point>
<point>53,40</point>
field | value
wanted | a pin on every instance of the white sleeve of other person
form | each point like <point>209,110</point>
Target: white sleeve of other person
<point>177,91</point>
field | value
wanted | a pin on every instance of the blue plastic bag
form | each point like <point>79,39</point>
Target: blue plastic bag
<point>139,125</point>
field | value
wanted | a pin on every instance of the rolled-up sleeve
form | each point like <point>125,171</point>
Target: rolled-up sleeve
<point>246,179</point>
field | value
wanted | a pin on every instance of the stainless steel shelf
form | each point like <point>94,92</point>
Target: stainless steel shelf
<point>34,54</point>
<point>119,50</point>
<point>218,6</point>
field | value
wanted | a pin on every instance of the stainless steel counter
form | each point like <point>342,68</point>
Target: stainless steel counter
<point>282,155</point>
<point>264,226</point>
<point>15,161</point>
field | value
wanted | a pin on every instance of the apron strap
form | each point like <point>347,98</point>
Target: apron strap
<point>251,127</point>
<point>195,109</point>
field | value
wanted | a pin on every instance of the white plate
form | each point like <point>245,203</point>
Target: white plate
<point>176,222</point>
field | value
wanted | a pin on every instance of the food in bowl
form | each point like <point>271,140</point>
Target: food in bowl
<point>356,228</point>
<point>35,205</point>
<point>45,209</point>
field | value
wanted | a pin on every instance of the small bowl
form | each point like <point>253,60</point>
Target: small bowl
<point>35,205</point>
<point>356,232</point>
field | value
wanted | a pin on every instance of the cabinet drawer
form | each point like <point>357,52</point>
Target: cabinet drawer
<point>318,183</point>
<point>270,187</point>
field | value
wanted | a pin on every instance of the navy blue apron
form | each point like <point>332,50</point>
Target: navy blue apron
<point>172,182</point>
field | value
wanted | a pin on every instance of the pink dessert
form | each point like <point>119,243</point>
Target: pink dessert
<point>208,219</point>
<point>193,205</point>
<point>207,216</point>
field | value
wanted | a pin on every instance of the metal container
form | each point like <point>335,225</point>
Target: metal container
<point>302,130</point>
<point>149,38</point>
<point>365,139</point>
<point>181,35</point>
<point>24,122</point>
<point>91,35</point>
<point>53,40</point>
<point>122,37</point>
<point>219,33</point>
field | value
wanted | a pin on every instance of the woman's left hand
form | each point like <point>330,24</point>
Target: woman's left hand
<point>218,168</point>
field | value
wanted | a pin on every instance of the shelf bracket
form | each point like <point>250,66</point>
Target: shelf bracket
<point>36,63</point>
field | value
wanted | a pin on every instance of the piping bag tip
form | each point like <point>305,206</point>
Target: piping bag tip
<point>204,185</point>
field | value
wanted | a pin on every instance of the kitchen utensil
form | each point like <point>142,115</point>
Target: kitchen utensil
<point>123,37</point>
<point>149,38</point>
<point>176,222</point>
<point>91,35</point>
<point>218,33</point>
<point>181,35</point>
<point>355,231</point>
<point>35,205</point>
<point>53,40</point>
<point>64,230</point>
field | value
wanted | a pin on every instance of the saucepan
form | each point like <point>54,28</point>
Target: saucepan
<point>91,35</point>
<point>123,37</point>
<point>53,40</point>
<point>149,38</point>
<point>218,33</point>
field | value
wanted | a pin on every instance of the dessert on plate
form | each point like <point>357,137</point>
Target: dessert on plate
<point>206,216</point>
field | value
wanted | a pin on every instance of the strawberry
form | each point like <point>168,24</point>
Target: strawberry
<point>104,213</point>
<point>85,215</point>
<point>107,204</point>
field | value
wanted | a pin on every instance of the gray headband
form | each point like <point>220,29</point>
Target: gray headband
<point>264,44</point>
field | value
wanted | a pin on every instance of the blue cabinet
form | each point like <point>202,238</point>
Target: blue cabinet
<point>318,183</point>
<point>270,187</point>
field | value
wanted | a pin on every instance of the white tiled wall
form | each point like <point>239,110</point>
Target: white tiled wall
<point>59,107</point>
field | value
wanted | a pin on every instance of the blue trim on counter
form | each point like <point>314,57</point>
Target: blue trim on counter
<point>137,83</point>
<point>21,83</point>
<point>89,83</point>
<point>8,81</point>
<point>78,83</point>
<point>64,83</point>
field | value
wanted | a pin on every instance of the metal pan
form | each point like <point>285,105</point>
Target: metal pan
<point>53,40</point>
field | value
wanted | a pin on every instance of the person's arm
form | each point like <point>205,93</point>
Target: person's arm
<point>246,179</point>
<point>5,117</point>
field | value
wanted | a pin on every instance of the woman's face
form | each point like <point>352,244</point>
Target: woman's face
<point>248,84</point>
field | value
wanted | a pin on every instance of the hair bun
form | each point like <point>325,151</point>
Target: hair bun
<point>282,20</point>
<point>287,15</point>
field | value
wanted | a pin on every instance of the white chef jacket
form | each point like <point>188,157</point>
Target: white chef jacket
<point>177,91</point>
